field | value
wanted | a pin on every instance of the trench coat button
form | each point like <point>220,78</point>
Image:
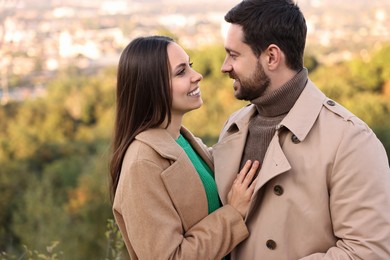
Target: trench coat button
<point>295,139</point>
<point>278,190</point>
<point>331,103</point>
<point>271,244</point>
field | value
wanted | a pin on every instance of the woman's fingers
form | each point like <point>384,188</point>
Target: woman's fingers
<point>243,187</point>
<point>252,172</point>
<point>247,173</point>
<point>252,186</point>
<point>241,175</point>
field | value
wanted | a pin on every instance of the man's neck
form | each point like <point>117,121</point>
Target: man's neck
<point>279,78</point>
<point>281,100</point>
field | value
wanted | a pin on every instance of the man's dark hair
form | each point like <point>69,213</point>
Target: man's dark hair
<point>266,22</point>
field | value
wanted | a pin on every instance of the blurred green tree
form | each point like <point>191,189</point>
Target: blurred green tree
<point>54,150</point>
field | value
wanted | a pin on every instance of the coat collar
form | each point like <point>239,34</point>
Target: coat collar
<point>304,113</point>
<point>161,141</point>
<point>165,145</point>
<point>299,120</point>
<point>239,121</point>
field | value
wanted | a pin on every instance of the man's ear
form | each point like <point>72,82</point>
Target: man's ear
<point>274,56</point>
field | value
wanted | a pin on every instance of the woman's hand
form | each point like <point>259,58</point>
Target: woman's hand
<point>242,189</point>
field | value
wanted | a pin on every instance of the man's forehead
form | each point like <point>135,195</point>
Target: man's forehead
<point>235,31</point>
<point>234,38</point>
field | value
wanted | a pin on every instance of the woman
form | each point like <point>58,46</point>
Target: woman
<point>165,199</point>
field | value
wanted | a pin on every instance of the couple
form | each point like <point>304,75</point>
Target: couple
<point>320,191</point>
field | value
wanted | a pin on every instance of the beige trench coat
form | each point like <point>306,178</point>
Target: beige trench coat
<point>324,186</point>
<point>161,206</point>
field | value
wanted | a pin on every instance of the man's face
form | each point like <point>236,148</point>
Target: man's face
<point>242,65</point>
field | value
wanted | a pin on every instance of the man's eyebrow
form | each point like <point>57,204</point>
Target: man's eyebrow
<point>228,50</point>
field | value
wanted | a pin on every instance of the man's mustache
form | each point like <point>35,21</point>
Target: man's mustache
<point>232,75</point>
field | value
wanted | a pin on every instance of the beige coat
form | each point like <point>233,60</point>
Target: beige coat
<point>161,205</point>
<point>324,186</point>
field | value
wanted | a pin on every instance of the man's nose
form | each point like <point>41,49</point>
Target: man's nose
<point>226,67</point>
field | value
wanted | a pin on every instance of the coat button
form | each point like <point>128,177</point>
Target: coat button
<point>271,244</point>
<point>295,139</point>
<point>278,190</point>
<point>331,103</point>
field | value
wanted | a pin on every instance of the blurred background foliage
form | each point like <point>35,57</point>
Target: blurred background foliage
<point>54,150</point>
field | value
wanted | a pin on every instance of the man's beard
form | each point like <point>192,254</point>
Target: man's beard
<point>254,86</point>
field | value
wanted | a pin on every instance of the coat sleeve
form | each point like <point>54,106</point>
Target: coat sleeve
<point>359,198</point>
<point>153,226</point>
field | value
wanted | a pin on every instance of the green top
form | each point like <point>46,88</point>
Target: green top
<point>205,174</point>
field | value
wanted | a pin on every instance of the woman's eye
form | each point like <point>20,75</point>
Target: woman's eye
<point>181,72</point>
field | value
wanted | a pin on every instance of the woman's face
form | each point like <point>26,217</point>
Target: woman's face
<point>185,81</point>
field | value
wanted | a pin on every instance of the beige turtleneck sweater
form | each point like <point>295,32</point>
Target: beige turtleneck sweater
<point>271,109</point>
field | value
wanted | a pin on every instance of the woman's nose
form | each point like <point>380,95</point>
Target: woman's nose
<point>198,76</point>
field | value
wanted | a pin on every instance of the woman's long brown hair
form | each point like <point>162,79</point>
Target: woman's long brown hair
<point>143,97</point>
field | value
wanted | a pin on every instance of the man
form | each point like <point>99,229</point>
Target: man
<point>323,190</point>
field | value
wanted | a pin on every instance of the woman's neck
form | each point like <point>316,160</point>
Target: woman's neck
<point>174,126</point>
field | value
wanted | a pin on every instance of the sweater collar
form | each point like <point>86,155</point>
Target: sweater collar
<point>280,101</point>
<point>299,120</point>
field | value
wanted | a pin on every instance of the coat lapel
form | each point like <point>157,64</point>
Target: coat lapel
<point>227,157</point>
<point>275,163</point>
<point>299,121</point>
<point>180,179</point>
<point>186,191</point>
<point>228,151</point>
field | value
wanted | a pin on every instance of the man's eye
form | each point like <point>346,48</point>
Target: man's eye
<point>191,63</point>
